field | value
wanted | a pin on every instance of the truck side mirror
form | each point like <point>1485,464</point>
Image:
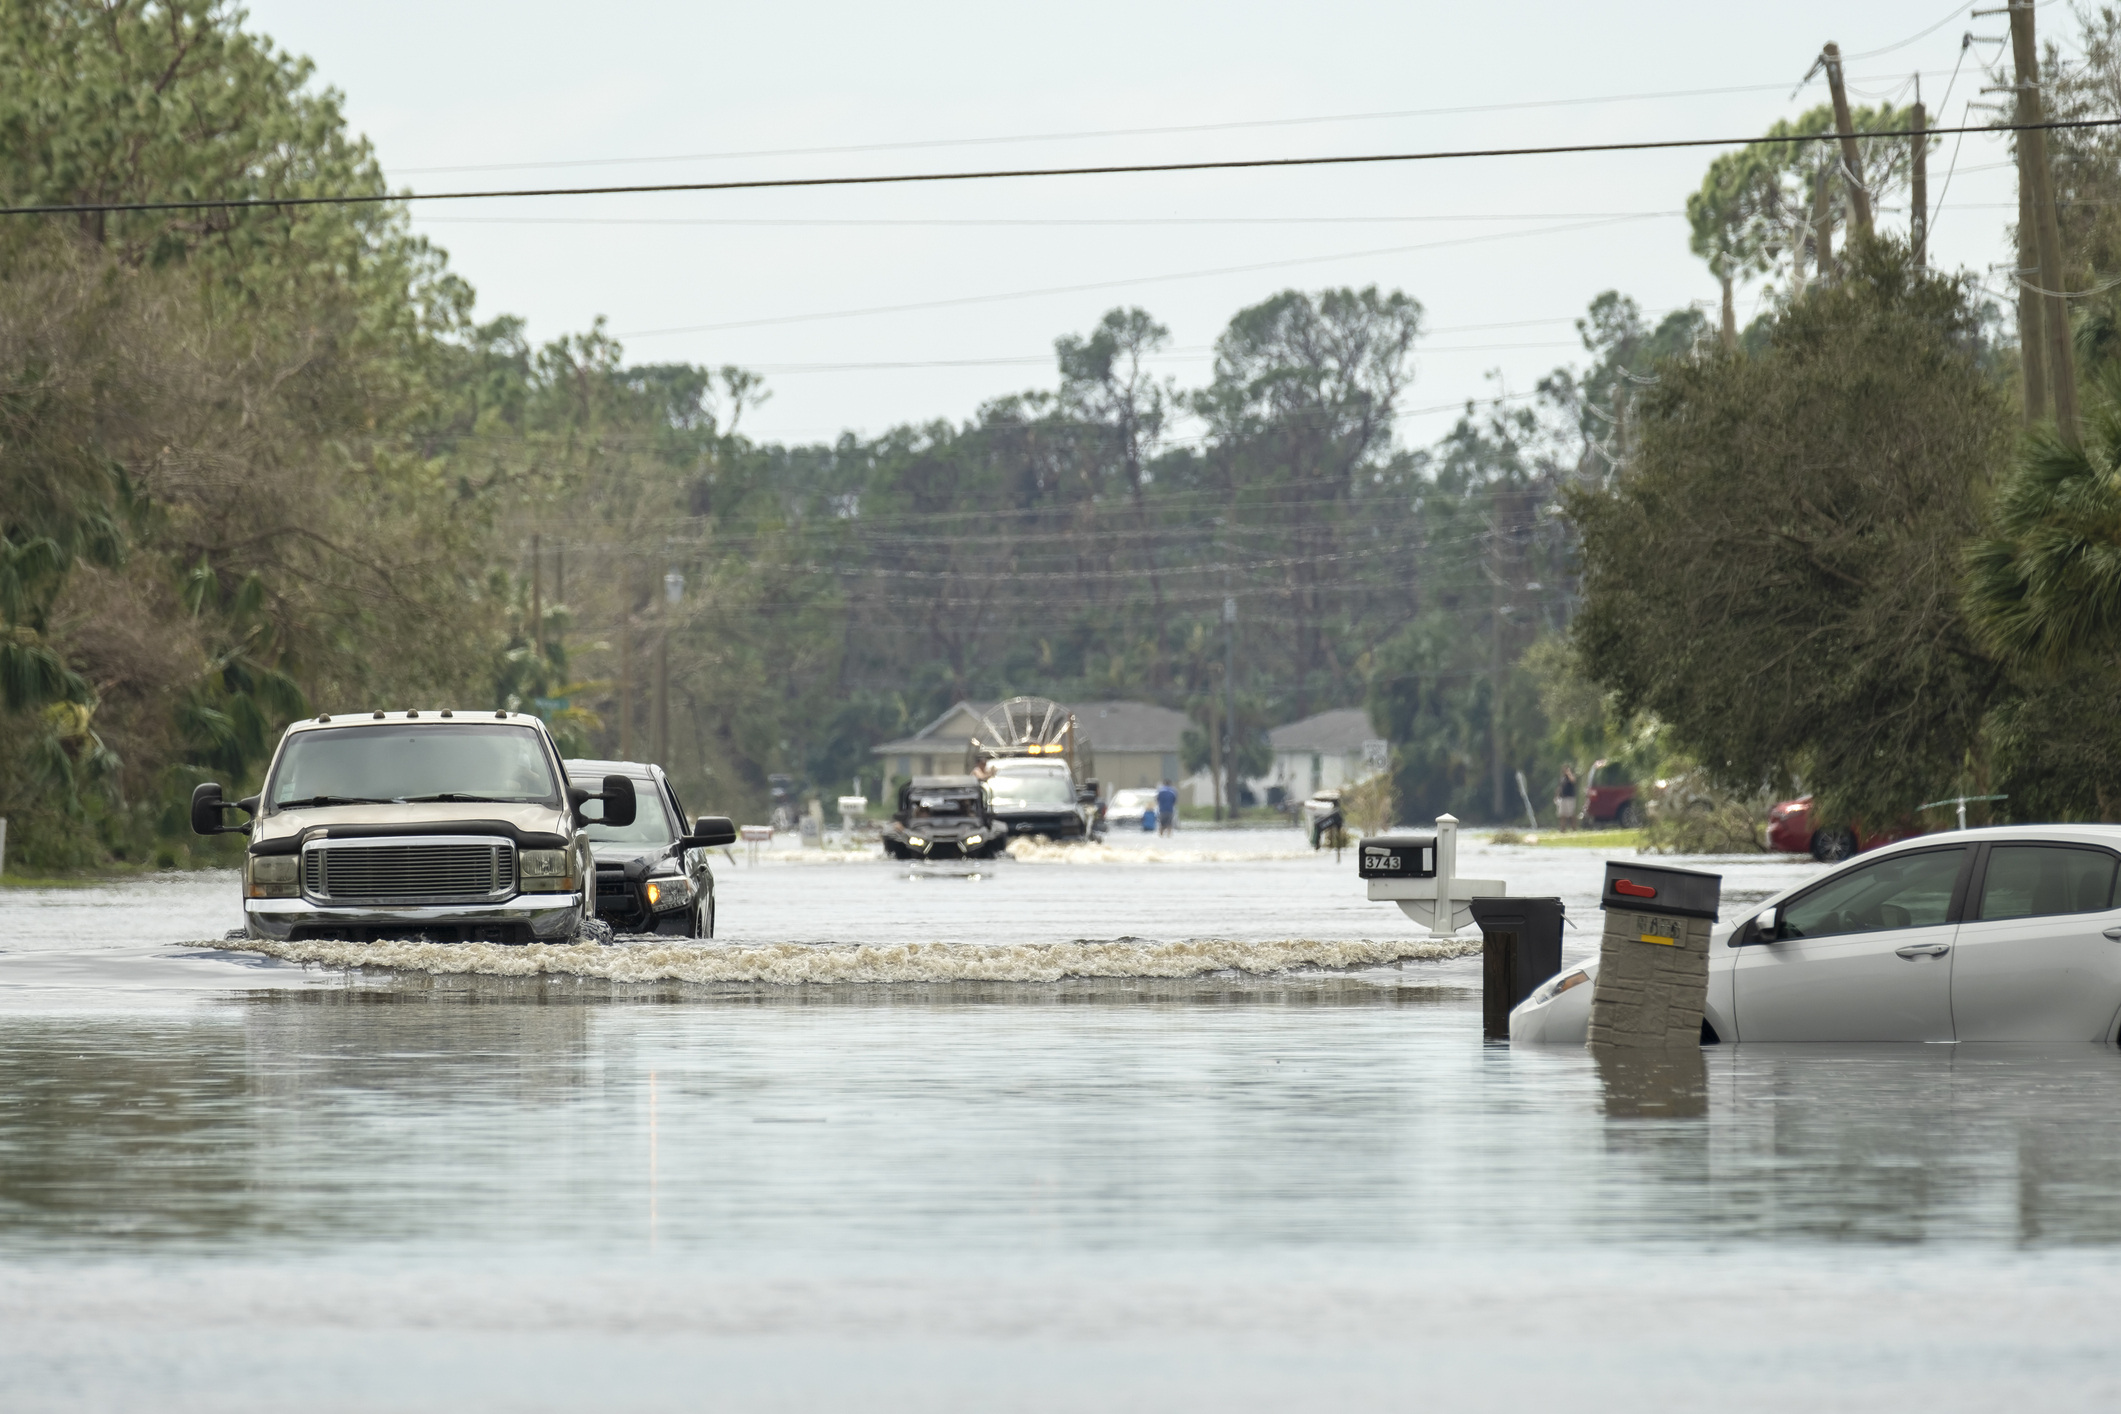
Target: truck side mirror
<point>619,804</point>
<point>207,807</point>
<point>711,830</point>
<point>617,795</point>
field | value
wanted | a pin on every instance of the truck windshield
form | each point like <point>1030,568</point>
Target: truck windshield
<point>413,761</point>
<point>1032,788</point>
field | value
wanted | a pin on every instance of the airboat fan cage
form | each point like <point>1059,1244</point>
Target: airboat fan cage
<point>1027,726</point>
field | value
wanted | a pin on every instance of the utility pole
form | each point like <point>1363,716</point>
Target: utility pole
<point>1495,668</point>
<point>1230,692</point>
<point>673,590</point>
<point>1823,222</point>
<point>537,599</point>
<point>2032,334</point>
<point>626,666</point>
<point>1851,160</point>
<point>2047,234</point>
<point>1918,221</point>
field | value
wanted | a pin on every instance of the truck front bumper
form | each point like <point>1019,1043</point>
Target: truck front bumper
<point>544,918</point>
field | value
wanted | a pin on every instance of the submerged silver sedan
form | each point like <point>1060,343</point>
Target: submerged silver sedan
<point>2004,934</point>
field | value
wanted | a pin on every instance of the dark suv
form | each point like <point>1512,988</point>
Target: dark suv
<point>652,874</point>
<point>942,817</point>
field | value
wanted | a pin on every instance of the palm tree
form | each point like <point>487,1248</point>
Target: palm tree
<point>2045,590</point>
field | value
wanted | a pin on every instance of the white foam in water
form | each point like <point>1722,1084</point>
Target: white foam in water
<point>867,962</point>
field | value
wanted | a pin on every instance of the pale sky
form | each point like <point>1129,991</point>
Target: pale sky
<point>1514,248</point>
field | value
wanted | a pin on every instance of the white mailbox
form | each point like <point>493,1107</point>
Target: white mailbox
<point>1420,874</point>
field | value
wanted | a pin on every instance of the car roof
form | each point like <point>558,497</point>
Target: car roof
<point>945,783</point>
<point>641,770</point>
<point>324,721</point>
<point>2077,833</point>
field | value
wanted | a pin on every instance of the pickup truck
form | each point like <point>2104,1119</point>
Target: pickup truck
<point>447,826</point>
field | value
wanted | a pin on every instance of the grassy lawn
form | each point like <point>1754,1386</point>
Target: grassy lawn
<point>1614,840</point>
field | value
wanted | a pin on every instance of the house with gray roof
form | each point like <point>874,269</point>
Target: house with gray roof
<point>1323,751</point>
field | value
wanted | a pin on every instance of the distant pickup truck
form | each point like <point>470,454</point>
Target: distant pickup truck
<point>444,826</point>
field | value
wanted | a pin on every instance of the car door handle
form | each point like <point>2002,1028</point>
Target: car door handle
<point>1915,950</point>
<point>2114,932</point>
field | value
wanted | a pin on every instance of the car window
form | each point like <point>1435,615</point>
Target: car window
<point>1905,891</point>
<point>2036,880</point>
<point>651,821</point>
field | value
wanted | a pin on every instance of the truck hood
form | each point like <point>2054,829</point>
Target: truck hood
<point>284,831</point>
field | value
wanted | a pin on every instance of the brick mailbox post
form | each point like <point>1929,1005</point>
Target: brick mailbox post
<point>1653,970</point>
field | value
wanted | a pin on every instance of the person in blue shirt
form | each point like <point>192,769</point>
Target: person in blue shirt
<point>1166,809</point>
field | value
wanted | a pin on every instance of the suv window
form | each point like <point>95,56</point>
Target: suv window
<point>2039,880</point>
<point>1905,891</point>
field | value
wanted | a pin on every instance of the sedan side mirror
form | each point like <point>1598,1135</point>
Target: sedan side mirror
<point>617,795</point>
<point>711,830</point>
<point>207,807</point>
<point>1765,926</point>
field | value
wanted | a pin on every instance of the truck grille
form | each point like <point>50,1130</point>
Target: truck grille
<point>453,872</point>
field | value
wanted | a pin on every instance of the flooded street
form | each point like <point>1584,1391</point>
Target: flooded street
<point>231,1182</point>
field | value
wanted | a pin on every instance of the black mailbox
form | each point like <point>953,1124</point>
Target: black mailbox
<point>1397,857</point>
<point>1652,888</point>
<point>1520,947</point>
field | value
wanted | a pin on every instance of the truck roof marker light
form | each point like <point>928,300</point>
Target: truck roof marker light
<point>412,714</point>
<point>379,716</point>
<point>501,713</point>
<point>447,713</point>
<point>1633,889</point>
<point>323,716</point>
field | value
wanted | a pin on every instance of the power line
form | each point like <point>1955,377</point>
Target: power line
<point>1169,130</point>
<point>785,369</point>
<point>928,222</point>
<point>1122,283</point>
<point>85,208</point>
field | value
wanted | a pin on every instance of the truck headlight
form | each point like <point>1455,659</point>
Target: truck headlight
<point>669,891</point>
<point>546,871</point>
<point>271,876</point>
<point>972,841</point>
<point>916,841</point>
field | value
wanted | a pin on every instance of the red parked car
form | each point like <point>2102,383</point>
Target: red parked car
<point>1790,830</point>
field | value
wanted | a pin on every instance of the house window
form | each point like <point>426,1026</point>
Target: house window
<point>1318,770</point>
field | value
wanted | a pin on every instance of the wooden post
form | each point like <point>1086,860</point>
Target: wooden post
<point>2032,337</point>
<point>1918,221</point>
<point>1823,223</point>
<point>537,599</point>
<point>1851,159</point>
<point>1230,696</point>
<point>626,667</point>
<point>2047,234</point>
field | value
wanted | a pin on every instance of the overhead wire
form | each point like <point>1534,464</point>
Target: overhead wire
<point>846,149</point>
<point>1124,282</point>
<point>80,208</point>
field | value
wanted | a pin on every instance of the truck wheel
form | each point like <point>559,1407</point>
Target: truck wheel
<point>1833,844</point>
<point>1627,817</point>
<point>593,930</point>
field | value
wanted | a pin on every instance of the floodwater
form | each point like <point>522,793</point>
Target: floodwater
<point>1274,1176</point>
